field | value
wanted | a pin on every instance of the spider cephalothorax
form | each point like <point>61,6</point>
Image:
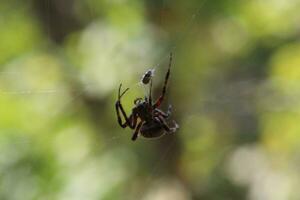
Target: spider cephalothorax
<point>152,121</point>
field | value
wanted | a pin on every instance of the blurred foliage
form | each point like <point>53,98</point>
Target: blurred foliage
<point>234,88</point>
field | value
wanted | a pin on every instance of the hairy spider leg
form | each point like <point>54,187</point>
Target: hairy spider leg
<point>132,120</point>
<point>137,130</point>
<point>162,96</point>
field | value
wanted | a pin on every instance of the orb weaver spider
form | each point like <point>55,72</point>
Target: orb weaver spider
<point>152,120</point>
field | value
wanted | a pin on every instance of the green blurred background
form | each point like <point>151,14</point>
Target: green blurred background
<point>234,87</point>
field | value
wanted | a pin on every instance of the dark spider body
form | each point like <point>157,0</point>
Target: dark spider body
<point>152,121</point>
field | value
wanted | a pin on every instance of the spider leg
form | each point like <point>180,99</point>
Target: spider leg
<point>120,95</point>
<point>169,110</point>
<point>137,130</point>
<point>131,121</point>
<point>165,125</point>
<point>150,93</point>
<point>158,112</point>
<point>127,122</point>
<point>162,113</point>
<point>176,126</point>
<point>161,98</point>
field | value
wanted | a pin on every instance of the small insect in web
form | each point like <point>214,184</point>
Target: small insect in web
<point>147,76</point>
<point>153,122</point>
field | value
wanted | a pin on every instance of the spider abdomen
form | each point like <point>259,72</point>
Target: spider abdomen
<point>152,129</point>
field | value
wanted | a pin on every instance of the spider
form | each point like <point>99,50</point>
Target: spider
<point>152,120</point>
